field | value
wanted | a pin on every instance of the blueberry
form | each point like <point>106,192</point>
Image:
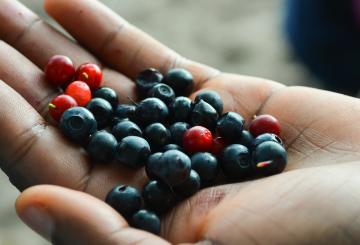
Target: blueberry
<point>269,158</point>
<point>236,161</point>
<point>206,165</point>
<point>175,167</point>
<point>177,131</point>
<point>190,186</point>
<point>152,165</point>
<point>107,94</point>
<point>126,128</point>
<point>230,126</point>
<point>158,197</point>
<point>181,81</point>
<point>211,97</point>
<point>163,92</point>
<point>101,146</point>
<point>102,111</point>
<point>78,123</point>
<point>124,199</point>
<point>147,221</point>
<point>147,79</point>
<point>180,109</point>
<point>172,147</point>
<point>151,110</point>
<point>121,112</point>
<point>157,135</point>
<point>266,137</point>
<point>245,139</point>
<point>203,114</point>
<point>132,151</point>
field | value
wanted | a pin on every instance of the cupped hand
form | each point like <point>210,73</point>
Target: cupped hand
<point>314,201</point>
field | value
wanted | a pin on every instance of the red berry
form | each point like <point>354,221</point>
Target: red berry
<point>264,124</point>
<point>197,139</point>
<point>60,104</point>
<point>91,74</point>
<point>80,91</point>
<point>218,146</point>
<point>59,70</point>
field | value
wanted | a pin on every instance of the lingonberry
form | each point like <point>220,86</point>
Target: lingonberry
<point>107,94</point>
<point>102,111</point>
<point>59,105</point>
<point>211,97</point>
<point>180,80</point>
<point>264,124</point>
<point>132,151</point>
<point>197,139</point>
<point>147,221</point>
<point>59,70</point>
<point>80,91</point>
<point>190,186</point>
<point>219,144</point>
<point>147,79</point>
<point>91,74</point>
<point>158,196</point>
<point>236,161</point>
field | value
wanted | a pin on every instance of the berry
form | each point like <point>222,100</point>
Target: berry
<point>147,221</point>
<point>163,92</point>
<point>80,91</point>
<point>230,126</point>
<point>218,146</point>
<point>101,146</point>
<point>190,186</point>
<point>78,123</point>
<point>172,147</point>
<point>132,151</point>
<point>266,137</point>
<point>153,164</point>
<point>147,79</point>
<point>264,124</point>
<point>60,104</point>
<point>151,110</point>
<point>126,128</point>
<point>175,167</point>
<point>158,197</point>
<point>211,97</point>
<point>157,135</point>
<point>59,70</point>
<point>180,80</point>
<point>91,74</point>
<point>206,165</point>
<point>123,111</point>
<point>107,94</point>
<point>197,139</point>
<point>203,114</point>
<point>124,199</point>
<point>180,109</point>
<point>246,139</point>
<point>236,161</point>
<point>177,131</point>
<point>102,111</point>
<point>269,158</point>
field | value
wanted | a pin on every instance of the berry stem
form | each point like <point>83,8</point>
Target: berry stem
<point>132,101</point>
<point>52,106</point>
<point>263,164</point>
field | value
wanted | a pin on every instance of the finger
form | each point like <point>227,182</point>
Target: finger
<point>65,216</point>
<point>118,43</point>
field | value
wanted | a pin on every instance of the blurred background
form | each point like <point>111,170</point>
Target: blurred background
<point>296,42</point>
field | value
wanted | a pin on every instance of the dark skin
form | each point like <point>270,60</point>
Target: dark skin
<point>314,201</point>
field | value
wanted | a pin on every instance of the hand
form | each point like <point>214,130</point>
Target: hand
<point>314,201</point>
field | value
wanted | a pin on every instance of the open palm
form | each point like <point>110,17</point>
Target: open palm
<point>314,201</point>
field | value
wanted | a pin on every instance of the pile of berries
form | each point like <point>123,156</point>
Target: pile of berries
<point>184,145</point>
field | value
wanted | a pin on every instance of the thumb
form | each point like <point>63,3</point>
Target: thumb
<point>65,216</point>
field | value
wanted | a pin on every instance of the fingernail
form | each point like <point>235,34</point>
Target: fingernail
<point>39,220</point>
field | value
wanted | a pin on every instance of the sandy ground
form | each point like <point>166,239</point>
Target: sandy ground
<point>238,36</point>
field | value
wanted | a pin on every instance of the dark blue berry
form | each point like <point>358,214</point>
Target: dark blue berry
<point>180,109</point>
<point>157,135</point>
<point>124,199</point>
<point>132,151</point>
<point>153,164</point>
<point>147,221</point>
<point>177,131</point>
<point>211,97</point>
<point>230,126</point>
<point>158,197</point>
<point>236,161</point>
<point>172,147</point>
<point>163,92</point>
<point>206,165</point>
<point>126,128</point>
<point>245,139</point>
<point>190,186</point>
<point>101,146</point>
<point>147,79</point>
<point>123,111</point>
<point>107,94</point>
<point>151,110</point>
<point>78,123</point>
<point>102,111</point>
<point>203,114</point>
<point>181,81</point>
<point>269,158</point>
<point>266,137</point>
